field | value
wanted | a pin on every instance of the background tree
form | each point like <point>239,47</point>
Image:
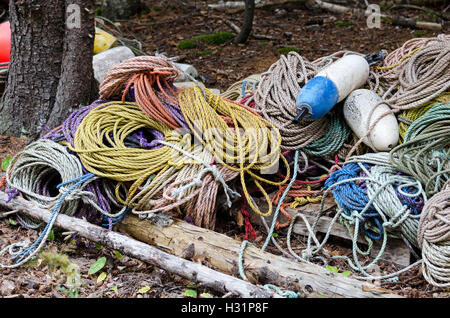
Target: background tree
<point>51,64</point>
<point>247,25</point>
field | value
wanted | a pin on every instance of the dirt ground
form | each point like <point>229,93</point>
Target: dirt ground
<point>313,32</point>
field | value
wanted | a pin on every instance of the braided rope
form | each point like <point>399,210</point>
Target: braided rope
<point>275,100</point>
<point>434,238</point>
<point>149,77</point>
<point>100,144</point>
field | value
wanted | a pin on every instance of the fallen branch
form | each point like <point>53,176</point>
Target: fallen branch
<point>151,255</point>
<point>396,20</point>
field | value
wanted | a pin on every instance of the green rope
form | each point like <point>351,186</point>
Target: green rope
<point>333,140</point>
<point>425,154</point>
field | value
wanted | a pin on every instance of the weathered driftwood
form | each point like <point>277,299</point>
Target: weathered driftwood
<point>221,252</point>
<point>396,251</point>
<point>149,254</point>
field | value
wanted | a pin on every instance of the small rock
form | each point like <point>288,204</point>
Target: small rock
<point>280,12</point>
<point>7,287</point>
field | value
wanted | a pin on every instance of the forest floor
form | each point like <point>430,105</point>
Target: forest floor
<point>313,33</point>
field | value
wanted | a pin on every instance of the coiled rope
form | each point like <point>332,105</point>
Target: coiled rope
<point>48,161</point>
<point>143,73</point>
<point>257,149</point>
<point>425,154</point>
<point>275,100</point>
<point>242,88</point>
<point>100,144</point>
<point>434,238</point>
<point>406,118</point>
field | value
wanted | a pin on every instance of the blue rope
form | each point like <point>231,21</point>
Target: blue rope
<point>80,180</point>
<point>115,220</point>
<point>244,84</point>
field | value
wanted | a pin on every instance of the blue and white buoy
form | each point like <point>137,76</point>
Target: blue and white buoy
<point>331,85</point>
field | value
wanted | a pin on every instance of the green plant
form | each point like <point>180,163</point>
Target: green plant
<point>59,264</point>
<point>343,23</point>
<point>207,52</point>
<point>210,39</point>
<point>157,8</point>
<point>5,163</point>
<point>334,269</point>
<point>419,34</point>
<point>98,265</point>
<point>285,50</point>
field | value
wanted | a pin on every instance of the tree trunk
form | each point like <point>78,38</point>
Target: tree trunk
<point>248,22</point>
<point>76,85</point>
<point>50,64</point>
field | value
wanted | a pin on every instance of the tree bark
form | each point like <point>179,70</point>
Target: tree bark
<point>51,65</point>
<point>248,22</point>
<point>76,85</point>
<point>36,55</point>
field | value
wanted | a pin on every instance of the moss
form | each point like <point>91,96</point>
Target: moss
<point>263,43</point>
<point>287,49</point>
<point>98,11</point>
<point>343,23</point>
<point>157,8</point>
<point>210,39</point>
<point>419,34</point>
<point>386,19</point>
<point>207,52</point>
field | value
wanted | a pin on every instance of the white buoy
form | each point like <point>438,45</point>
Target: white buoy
<point>188,69</point>
<point>357,109</point>
<point>103,61</point>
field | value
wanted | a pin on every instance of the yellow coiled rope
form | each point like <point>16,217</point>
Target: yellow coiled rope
<point>408,116</point>
<point>115,160</point>
<point>253,144</point>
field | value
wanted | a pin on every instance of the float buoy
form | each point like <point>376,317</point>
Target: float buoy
<point>5,43</point>
<point>331,85</point>
<point>357,109</point>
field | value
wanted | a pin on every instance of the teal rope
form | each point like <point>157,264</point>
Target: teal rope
<point>332,141</point>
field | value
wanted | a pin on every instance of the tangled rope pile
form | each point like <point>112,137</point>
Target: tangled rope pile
<point>152,148</point>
